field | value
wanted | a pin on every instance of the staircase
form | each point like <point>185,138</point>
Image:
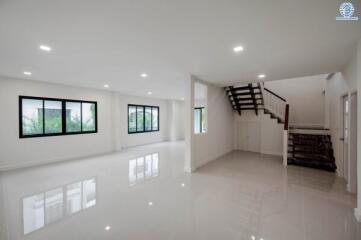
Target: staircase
<point>311,150</point>
<point>247,97</point>
<point>301,147</point>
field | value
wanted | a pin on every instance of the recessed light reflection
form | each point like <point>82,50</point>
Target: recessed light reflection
<point>238,49</point>
<point>150,93</point>
<point>45,48</point>
<point>150,203</point>
<point>144,75</point>
<point>261,76</point>
<point>183,184</point>
<point>27,73</point>
<point>106,85</point>
<point>107,228</point>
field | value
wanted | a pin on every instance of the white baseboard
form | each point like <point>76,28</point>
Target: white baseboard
<point>358,214</point>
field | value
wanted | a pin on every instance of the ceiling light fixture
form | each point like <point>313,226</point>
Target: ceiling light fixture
<point>261,76</point>
<point>238,49</point>
<point>144,75</point>
<point>106,85</point>
<point>150,203</point>
<point>183,185</point>
<point>45,48</point>
<point>150,93</point>
<point>27,73</point>
<point>107,228</point>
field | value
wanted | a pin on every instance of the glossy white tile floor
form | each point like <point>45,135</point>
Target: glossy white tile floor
<point>143,193</point>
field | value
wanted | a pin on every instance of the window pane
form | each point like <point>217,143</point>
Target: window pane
<point>132,124</point>
<point>32,116</point>
<point>33,213</point>
<point>53,205</point>
<point>53,122</point>
<point>204,120</point>
<point>155,113</point>
<point>140,119</point>
<point>89,193</point>
<point>148,118</point>
<point>73,198</point>
<point>73,123</point>
<point>88,117</point>
<point>197,120</point>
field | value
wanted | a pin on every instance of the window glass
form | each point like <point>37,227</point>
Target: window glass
<point>132,119</point>
<point>155,114</point>
<point>88,117</point>
<point>53,116</point>
<point>148,119</point>
<point>197,120</point>
<point>73,122</point>
<point>204,120</point>
<point>140,119</point>
<point>32,116</point>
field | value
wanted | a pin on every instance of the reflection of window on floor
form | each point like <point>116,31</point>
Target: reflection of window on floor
<point>143,168</point>
<point>47,207</point>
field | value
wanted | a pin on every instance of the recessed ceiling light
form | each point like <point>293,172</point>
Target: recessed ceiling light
<point>150,203</point>
<point>238,49</point>
<point>182,98</point>
<point>107,228</point>
<point>144,75</point>
<point>27,73</point>
<point>106,85</point>
<point>183,185</point>
<point>261,76</point>
<point>150,93</point>
<point>45,48</point>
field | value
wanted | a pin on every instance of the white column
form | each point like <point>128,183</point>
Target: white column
<point>189,126</point>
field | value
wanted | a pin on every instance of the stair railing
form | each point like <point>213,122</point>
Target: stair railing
<point>274,103</point>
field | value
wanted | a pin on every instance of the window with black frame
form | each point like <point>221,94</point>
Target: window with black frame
<point>200,120</point>
<point>39,117</point>
<point>142,118</point>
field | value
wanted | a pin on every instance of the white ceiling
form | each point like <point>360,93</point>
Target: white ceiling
<point>113,42</point>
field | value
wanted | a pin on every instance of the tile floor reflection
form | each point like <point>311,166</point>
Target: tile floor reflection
<point>47,207</point>
<point>240,196</point>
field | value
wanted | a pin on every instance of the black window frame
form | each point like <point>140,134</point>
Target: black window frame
<point>200,118</point>
<point>63,117</point>
<point>136,118</point>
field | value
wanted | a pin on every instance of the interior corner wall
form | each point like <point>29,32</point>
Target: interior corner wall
<point>218,140</point>
<point>136,139</point>
<point>305,96</point>
<point>16,152</point>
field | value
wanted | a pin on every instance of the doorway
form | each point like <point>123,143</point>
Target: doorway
<point>352,183</point>
<point>345,136</point>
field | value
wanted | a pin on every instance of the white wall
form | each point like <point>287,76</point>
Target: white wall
<point>271,133</point>
<point>218,140</point>
<point>16,152</point>
<point>112,124</point>
<point>130,140</point>
<point>176,120</point>
<point>305,96</point>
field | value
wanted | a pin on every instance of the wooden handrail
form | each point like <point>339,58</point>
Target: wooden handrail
<point>287,116</point>
<point>274,94</point>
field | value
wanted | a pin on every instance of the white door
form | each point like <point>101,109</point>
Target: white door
<point>353,144</point>
<point>249,138</point>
